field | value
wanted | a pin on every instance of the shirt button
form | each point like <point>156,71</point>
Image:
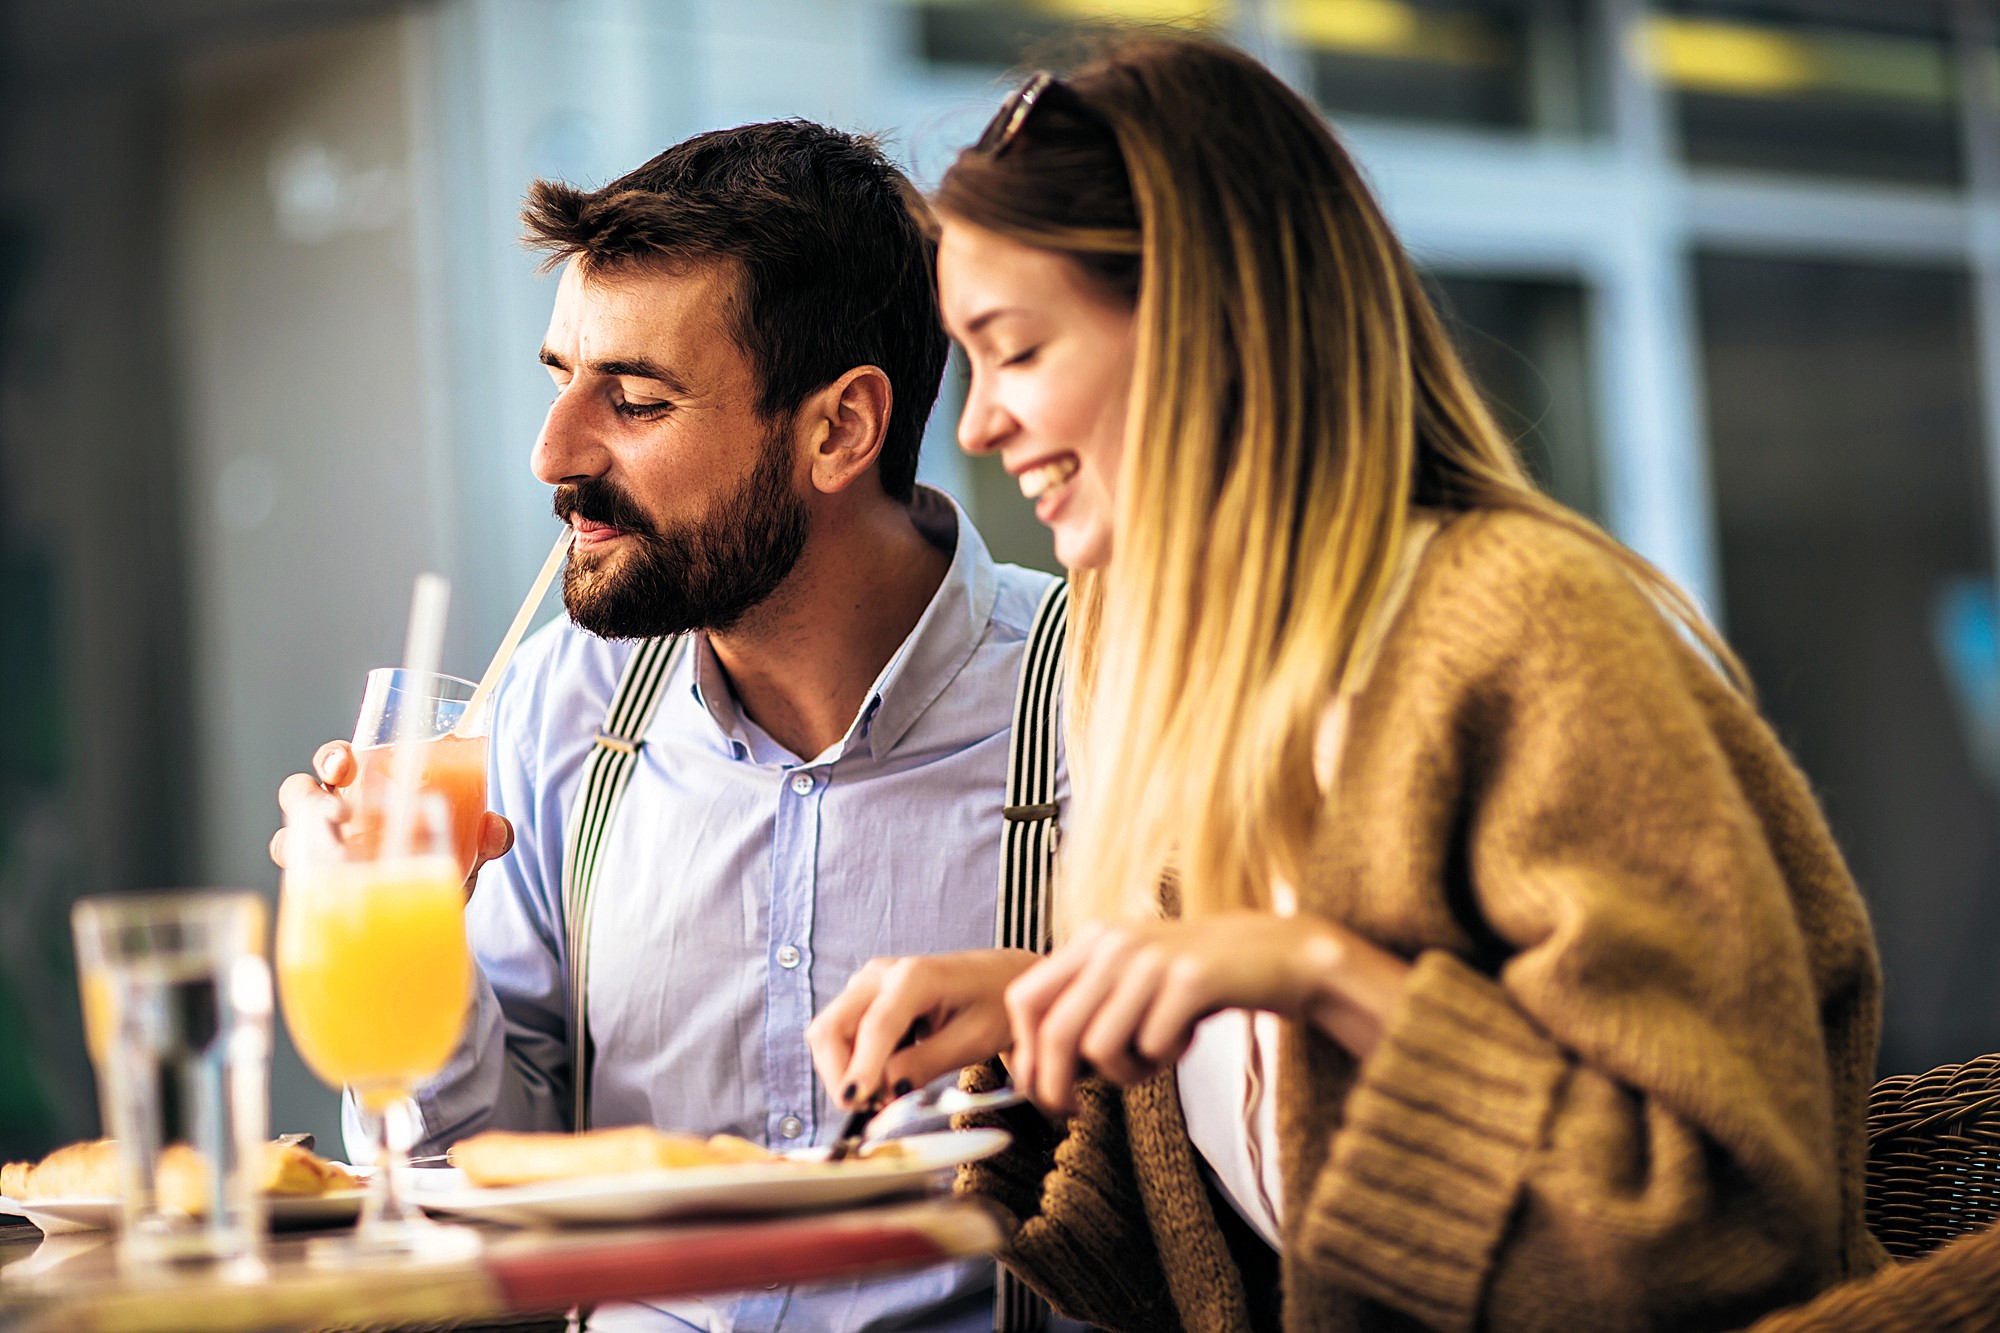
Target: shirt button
<point>802,783</point>
<point>791,1126</point>
<point>787,956</point>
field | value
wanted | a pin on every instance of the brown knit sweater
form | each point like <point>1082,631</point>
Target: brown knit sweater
<point>1953,1290</point>
<point>1625,1086</point>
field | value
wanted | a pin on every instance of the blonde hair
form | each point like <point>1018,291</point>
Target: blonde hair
<point>1294,394</point>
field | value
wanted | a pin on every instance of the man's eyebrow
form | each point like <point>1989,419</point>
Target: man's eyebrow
<point>549,358</point>
<point>640,369</point>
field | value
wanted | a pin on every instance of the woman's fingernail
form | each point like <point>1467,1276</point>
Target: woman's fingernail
<point>847,1093</point>
<point>902,1086</point>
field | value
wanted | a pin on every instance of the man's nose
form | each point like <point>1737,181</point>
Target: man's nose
<point>571,445</point>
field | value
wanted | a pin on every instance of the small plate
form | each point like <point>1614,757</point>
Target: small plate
<point>58,1217</point>
<point>802,1181</point>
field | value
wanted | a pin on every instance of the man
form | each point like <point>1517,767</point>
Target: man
<point>744,348</point>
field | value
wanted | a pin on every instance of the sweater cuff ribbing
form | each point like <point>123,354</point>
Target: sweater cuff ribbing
<point>1438,1132</point>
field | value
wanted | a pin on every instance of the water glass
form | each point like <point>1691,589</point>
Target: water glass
<point>177,1018</point>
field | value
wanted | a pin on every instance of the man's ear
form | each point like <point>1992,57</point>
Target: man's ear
<point>844,425</point>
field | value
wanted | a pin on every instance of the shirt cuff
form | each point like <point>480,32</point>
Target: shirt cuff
<point>1439,1130</point>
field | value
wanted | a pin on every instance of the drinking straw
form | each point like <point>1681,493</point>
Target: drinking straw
<point>422,647</point>
<point>482,694</point>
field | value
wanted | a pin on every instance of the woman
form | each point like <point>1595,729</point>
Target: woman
<point>1568,1000</point>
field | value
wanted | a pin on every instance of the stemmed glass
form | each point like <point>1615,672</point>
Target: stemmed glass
<point>374,977</point>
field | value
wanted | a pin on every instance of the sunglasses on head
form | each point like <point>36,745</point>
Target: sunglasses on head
<point>1006,124</point>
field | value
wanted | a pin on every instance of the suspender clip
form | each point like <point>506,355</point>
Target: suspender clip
<point>1028,814</point>
<point>618,743</point>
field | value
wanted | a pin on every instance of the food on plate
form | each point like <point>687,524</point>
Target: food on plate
<point>90,1171</point>
<point>500,1158</point>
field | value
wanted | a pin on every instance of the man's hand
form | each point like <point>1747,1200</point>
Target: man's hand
<point>949,1004</point>
<point>318,795</point>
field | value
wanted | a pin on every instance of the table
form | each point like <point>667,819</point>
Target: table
<point>71,1284</point>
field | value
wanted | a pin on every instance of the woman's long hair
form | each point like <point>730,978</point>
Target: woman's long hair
<point>1294,394</point>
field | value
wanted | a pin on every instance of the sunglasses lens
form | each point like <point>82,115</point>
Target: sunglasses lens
<point>1012,115</point>
<point>997,129</point>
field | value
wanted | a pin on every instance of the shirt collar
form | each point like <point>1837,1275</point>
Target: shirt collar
<point>927,660</point>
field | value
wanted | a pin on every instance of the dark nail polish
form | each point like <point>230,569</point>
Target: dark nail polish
<point>847,1093</point>
<point>920,1030</point>
<point>902,1086</point>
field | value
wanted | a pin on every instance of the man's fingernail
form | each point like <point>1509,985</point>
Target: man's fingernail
<point>847,1093</point>
<point>902,1086</point>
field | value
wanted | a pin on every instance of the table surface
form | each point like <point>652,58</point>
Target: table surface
<point>72,1283</point>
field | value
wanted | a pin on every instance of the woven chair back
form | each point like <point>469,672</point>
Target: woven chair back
<point>1934,1155</point>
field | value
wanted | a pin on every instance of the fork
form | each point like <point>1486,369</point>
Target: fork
<point>935,1104</point>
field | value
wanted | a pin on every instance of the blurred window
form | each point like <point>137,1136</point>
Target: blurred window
<point>1851,501</point>
<point>1526,344</point>
<point>1512,64</point>
<point>1770,90</point>
<point>1004,33</point>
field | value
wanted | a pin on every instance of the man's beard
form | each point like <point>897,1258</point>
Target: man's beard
<point>705,575</point>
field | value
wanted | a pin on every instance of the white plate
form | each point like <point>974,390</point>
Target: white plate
<point>57,1217</point>
<point>803,1181</point>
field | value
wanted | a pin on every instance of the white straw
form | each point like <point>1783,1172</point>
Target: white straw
<point>422,649</point>
<point>475,707</point>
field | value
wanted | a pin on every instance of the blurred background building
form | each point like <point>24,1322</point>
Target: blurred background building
<point>1729,268</point>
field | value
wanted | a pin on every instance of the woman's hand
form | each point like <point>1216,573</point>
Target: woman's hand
<point>1126,997</point>
<point>948,1005</point>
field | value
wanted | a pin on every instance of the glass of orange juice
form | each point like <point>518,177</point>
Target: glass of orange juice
<point>375,977</point>
<point>451,757</point>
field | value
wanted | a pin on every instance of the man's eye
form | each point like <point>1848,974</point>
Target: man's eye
<point>642,411</point>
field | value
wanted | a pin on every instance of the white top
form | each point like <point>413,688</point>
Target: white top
<point>1229,1096</point>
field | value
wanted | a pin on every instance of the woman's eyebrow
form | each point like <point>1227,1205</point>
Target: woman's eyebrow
<point>985,317</point>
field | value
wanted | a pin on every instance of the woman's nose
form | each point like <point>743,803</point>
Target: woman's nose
<point>983,425</point>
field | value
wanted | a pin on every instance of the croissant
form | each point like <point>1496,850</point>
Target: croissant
<point>90,1171</point>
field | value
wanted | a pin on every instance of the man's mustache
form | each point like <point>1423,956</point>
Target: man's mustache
<point>601,502</point>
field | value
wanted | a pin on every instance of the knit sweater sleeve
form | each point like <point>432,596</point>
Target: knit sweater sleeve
<point>1612,1109</point>
<point>1955,1290</point>
<point>1077,1224</point>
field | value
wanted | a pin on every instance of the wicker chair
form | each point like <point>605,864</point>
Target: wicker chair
<point>1933,1199</point>
<point>1934,1156</point>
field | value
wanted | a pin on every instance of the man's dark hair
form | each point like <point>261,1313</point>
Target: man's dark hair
<point>836,271</point>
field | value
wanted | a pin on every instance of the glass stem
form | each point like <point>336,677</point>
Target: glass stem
<point>388,1203</point>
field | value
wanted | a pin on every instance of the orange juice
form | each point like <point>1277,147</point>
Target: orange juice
<point>374,972</point>
<point>99,1016</point>
<point>453,766</point>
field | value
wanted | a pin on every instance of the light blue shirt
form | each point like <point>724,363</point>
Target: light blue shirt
<point>740,887</point>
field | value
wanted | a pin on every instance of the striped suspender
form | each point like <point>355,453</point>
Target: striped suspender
<point>605,774</point>
<point>1028,854</point>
